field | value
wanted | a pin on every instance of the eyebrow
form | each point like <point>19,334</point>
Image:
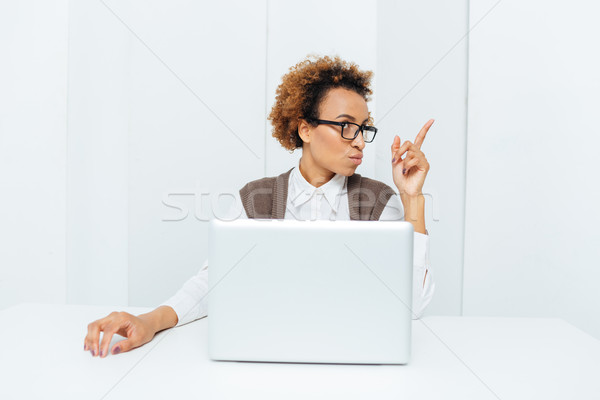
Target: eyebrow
<point>350,116</point>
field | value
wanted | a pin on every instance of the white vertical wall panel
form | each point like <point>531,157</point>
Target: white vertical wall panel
<point>33,121</point>
<point>532,216</point>
<point>97,207</point>
<point>421,74</point>
<point>196,130</point>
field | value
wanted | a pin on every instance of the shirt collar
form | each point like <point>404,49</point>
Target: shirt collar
<point>302,191</point>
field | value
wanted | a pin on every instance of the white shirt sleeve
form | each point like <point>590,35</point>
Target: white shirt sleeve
<point>191,301</point>
<point>423,284</point>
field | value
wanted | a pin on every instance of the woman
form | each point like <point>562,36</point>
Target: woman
<point>321,107</point>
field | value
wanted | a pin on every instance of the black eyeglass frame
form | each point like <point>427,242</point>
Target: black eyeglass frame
<point>338,123</point>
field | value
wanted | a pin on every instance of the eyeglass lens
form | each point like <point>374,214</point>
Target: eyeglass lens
<point>349,131</point>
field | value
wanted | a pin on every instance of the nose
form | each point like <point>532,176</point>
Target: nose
<point>359,141</point>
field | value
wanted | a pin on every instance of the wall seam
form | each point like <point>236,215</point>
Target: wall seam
<point>462,278</point>
<point>67,136</point>
<point>266,86</point>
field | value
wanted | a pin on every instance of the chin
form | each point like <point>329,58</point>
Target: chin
<point>349,171</point>
<point>346,170</point>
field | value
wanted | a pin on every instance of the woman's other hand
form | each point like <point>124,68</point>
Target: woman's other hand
<point>138,331</point>
<point>409,165</point>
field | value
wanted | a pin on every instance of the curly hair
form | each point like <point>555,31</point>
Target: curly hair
<point>303,89</point>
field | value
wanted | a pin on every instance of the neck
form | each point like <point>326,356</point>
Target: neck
<point>314,174</point>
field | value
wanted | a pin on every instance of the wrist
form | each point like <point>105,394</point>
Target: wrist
<point>151,319</point>
<point>414,210</point>
<point>160,318</point>
<point>410,195</point>
<point>412,200</point>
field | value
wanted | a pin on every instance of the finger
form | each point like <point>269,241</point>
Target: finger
<point>93,335</point>
<point>123,346</point>
<point>409,157</point>
<point>410,164</point>
<point>418,161</point>
<point>422,133</point>
<point>403,149</point>
<point>109,331</point>
<point>394,147</point>
<point>409,161</point>
<point>395,143</point>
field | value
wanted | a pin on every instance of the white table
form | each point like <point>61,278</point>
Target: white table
<point>42,356</point>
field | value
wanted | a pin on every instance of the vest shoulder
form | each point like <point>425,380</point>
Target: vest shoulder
<point>268,181</point>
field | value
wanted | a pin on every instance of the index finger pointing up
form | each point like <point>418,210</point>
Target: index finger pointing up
<point>421,136</point>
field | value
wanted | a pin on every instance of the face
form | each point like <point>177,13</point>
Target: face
<point>324,145</point>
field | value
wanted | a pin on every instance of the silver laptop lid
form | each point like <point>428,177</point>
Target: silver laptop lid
<point>310,291</point>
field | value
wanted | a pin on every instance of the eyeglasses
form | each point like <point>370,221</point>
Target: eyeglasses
<point>350,130</point>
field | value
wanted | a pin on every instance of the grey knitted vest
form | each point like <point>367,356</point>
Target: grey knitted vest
<point>267,197</point>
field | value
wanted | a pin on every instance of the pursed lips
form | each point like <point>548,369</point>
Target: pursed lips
<point>356,158</point>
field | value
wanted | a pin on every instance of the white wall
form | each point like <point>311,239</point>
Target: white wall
<point>33,119</point>
<point>97,155</point>
<point>532,218</point>
<point>197,127</point>
<point>167,107</point>
<point>421,70</point>
<point>155,104</point>
<point>160,92</point>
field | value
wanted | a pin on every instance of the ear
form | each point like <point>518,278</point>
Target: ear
<point>304,130</point>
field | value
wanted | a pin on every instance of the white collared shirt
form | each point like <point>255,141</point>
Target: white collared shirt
<point>307,202</point>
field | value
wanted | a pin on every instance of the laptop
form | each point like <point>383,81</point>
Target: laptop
<point>310,291</point>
